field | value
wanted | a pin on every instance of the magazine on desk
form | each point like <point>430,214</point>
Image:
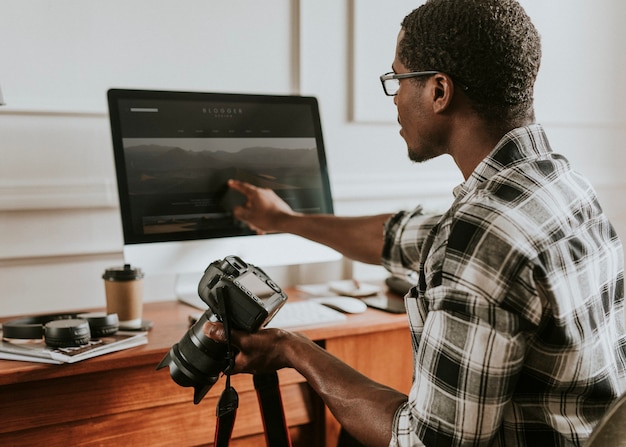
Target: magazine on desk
<point>37,351</point>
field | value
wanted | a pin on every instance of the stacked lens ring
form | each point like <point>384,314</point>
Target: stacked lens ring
<point>62,330</point>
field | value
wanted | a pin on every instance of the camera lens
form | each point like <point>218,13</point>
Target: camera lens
<point>196,360</point>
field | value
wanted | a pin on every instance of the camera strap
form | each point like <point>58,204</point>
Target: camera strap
<point>226,413</point>
<point>229,400</point>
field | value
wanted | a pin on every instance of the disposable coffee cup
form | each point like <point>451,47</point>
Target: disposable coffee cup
<point>123,287</point>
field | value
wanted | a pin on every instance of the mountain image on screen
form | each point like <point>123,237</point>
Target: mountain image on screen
<point>155,169</point>
<point>177,190</point>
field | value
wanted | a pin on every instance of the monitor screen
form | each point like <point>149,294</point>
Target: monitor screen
<point>175,151</point>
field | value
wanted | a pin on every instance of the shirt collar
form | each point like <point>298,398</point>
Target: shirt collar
<point>516,146</point>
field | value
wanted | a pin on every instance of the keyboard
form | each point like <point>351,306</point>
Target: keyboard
<point>305,313</point>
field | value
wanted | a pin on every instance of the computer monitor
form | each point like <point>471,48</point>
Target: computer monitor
<point>175,151</point>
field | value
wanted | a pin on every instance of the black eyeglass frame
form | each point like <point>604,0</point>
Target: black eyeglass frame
<point>397,76</point>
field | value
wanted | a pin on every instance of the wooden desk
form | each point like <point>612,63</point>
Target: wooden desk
<point>120,399</point>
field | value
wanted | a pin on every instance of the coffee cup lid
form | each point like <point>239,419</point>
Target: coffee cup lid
<point>125,273</point>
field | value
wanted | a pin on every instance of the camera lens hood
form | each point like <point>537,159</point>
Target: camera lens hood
<point>196,360</point>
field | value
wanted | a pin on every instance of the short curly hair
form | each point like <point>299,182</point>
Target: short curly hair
<point>491,46</point>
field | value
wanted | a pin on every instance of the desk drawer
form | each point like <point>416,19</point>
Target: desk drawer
<point>138,406</point>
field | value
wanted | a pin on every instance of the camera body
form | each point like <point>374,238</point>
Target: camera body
<point>252,297</point>
<point>238,294</point>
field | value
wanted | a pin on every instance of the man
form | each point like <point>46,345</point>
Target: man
<point>517,320</point>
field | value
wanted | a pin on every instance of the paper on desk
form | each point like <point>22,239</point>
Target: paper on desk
<point>37,351</point>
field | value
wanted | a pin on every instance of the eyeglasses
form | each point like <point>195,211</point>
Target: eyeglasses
<point>391,80</point>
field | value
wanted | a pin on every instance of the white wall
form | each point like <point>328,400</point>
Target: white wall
<point>59,224</point>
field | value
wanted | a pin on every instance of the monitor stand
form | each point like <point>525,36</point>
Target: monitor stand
<point>186,289</point>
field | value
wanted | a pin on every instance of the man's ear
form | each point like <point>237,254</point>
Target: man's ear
<point>443,92</point>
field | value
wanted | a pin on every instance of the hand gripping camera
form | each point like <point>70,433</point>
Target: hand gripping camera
<point>239,295</point>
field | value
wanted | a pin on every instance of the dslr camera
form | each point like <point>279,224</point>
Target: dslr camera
<point>239,295</point>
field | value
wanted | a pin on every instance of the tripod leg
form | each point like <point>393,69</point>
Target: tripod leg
<point>270,401</point>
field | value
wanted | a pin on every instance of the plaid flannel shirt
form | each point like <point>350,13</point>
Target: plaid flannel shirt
<point>517,321</point>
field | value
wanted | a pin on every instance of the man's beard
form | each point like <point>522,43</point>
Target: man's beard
<point>422,156</point>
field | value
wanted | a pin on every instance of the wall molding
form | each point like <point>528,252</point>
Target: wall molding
<point>54,194</point>
<point>51,194</point>
<point>53,111</point>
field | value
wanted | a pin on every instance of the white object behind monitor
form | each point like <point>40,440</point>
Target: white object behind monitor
<point>187,260</point>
